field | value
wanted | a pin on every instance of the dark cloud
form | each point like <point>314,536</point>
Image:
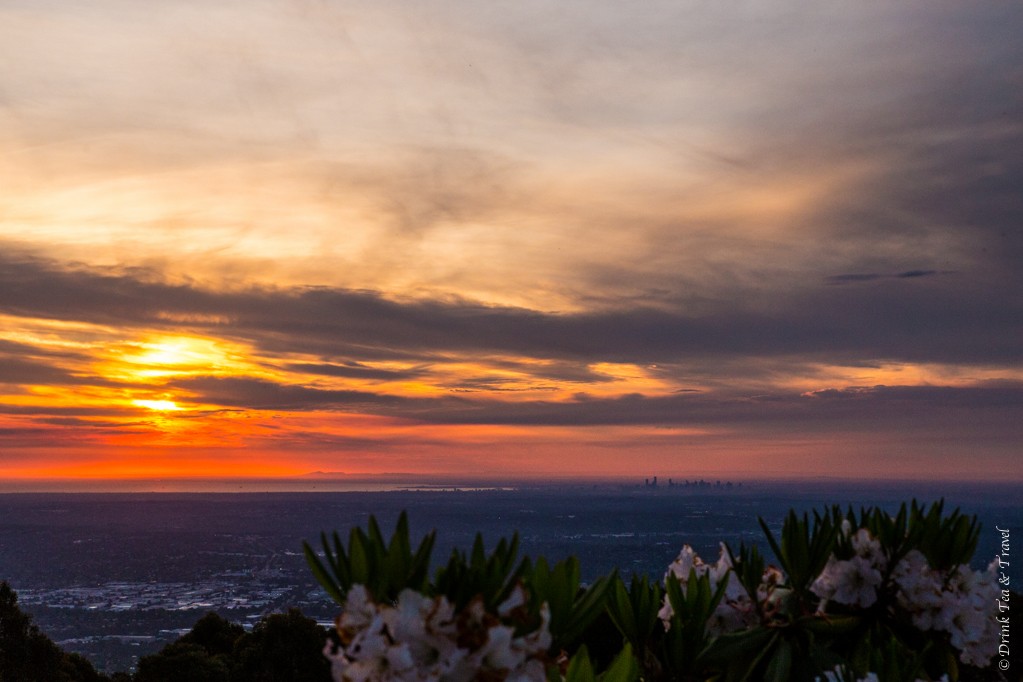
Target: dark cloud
<point>15,370</point>
<point>995,408</point>
<point>945,196</point>
<point>89,423</point>
<point>497,384</point>
<point>552,370</point>
<point>955,319</point>
<point>988,410</point>
<point>40,437</point>
<point>870,277</point>
<point>266,395</point>
<point>354,370</point>
<point>855,277</point>
<point>331,442</point>
<point>37,410</point>
<point>13,348</point>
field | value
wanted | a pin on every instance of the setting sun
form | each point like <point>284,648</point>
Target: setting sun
<point>158,405</point>
<point>171,356</point>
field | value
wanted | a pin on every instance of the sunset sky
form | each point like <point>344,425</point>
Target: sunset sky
<point>270,237</point>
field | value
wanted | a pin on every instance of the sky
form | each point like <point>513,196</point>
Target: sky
<point>531,238</point>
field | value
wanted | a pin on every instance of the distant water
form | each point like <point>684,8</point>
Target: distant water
<point>624,525</point>
<point>209,485</point>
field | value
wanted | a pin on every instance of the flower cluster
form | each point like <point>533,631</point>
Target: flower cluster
<point>736,610</point>
<point>423,638</point>
<point>959,604</point>
<point>854,581</point>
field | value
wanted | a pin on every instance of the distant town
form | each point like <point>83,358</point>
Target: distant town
<point>697,485</point>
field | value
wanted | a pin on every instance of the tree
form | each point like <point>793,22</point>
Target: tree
<point>182,661</point>
<point>27,655</point>
<point>283,647</point>
<point>201,655</point>
<point>216,635</point>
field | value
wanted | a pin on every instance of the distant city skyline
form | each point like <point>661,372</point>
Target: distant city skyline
<point>244,239</point>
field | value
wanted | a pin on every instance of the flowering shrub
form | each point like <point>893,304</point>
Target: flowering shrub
<point>855,597</point>
<point>737,609</point>
<point>423,638</point>
<point>482,617</point>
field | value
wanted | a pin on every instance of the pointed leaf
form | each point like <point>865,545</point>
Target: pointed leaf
<point>780,666</point>
<point>321,575</point>
<point>625,667</point>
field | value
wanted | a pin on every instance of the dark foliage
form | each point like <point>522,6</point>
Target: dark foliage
<point>27,655</point>
<point>183,661</point>
<point>283,647</point>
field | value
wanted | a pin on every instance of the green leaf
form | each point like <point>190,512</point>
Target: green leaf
<point>780,665</point>
<point>621,612</point>
<point>774,545</point>
<point>359,559</point>
<point>736,647</point>
<point>342,566</point>
<point>580,668</point>
<point>589,604</point>
<point>321,575</point>
<point>625,667</point>
<point>376,538</point>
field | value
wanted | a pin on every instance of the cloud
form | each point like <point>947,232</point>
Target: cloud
<point>77,411</point>
<point>860,408</point>
<point>930,319</point>
<point>853,277</point>
<point>870,277</point>
<point>439,213</point>
<point>546,157</point>
<point>31,437</point>
<point>17,371</point>
<point>354,370</point>
<point>267,395</point>
<point>988,411</point>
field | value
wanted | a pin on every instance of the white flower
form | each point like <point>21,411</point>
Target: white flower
<point>854,581</point>
<point>359,609</point>
<point>684,564</point>
<point>417,639</point>
<point>973,628</point>
<point>735,611</point>
<point>851,581</point>
<point>868,547</point>
<point>960,606</point>
<point>921,593</point>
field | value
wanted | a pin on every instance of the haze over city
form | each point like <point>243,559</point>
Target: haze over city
<point>511,240</point>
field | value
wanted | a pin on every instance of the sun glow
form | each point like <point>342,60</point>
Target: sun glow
<point>158,405</point>
<point>155,359</point>
<point>175,355</point>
